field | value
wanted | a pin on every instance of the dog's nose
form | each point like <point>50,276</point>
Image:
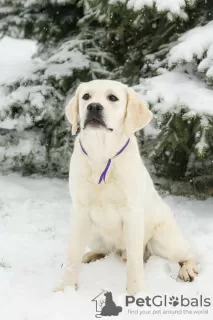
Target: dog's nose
<point>94,107</point>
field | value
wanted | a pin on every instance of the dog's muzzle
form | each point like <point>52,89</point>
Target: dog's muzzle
<point>94,117</point>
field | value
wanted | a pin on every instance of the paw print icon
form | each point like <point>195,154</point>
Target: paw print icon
<point>174,301</point>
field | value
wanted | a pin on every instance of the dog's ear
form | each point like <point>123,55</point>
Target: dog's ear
<point>72,111</point>
<point>137,113</point>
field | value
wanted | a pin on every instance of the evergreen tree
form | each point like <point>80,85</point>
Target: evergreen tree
<point>175,41</point>
<point>67,55</point>
<point>161,48</point>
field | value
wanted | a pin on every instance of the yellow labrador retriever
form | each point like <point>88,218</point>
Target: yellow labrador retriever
<point>115,206</point>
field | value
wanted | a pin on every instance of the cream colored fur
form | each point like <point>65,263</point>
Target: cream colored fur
<point>125,214</point>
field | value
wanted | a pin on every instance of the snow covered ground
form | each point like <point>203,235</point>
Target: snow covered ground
<point>34,223</point>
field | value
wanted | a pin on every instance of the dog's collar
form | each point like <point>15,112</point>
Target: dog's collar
<point>103,175</point>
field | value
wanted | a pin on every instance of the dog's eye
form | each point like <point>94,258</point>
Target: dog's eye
<point>113,98</point>
<point>86,96</point>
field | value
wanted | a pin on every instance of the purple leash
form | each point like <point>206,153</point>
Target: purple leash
<point>103,175</point>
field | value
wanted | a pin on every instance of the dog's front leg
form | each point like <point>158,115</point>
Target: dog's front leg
<point>78,239</point>
<point>134,238</point>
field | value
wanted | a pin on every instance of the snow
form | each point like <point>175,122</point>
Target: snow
<point>15,64</point>
<point>176,89</point>
<point>201,145</point>
<point>29,3</point>
<point>9,124</point>
<point>151,132</point>
<point>174,6</point>
<point>66,60</point>
<point>15,58</point>
<point>195,44</point>
<point>25,146</point>
<point>209,73</point>
<point>34,227</point>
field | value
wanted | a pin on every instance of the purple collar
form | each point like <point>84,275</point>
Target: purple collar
<point>103,175</point>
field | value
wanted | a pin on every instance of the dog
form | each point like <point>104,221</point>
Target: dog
<point>115,206</point>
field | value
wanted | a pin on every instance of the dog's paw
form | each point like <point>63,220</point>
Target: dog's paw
<point>62,286</point>
<point>188,271</point>
<point>68,280</point>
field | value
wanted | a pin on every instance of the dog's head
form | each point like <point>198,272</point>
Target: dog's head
<point>107,105</point>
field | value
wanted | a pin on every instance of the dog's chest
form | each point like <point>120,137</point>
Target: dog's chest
<point>106,204</point>
<point>105,198</point>
<point>109,193</point>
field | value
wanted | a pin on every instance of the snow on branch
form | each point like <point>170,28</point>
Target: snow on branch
<point>28,3</point>
<point>195,45</point>
<point>176,88</point>
<point>174,6</point>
